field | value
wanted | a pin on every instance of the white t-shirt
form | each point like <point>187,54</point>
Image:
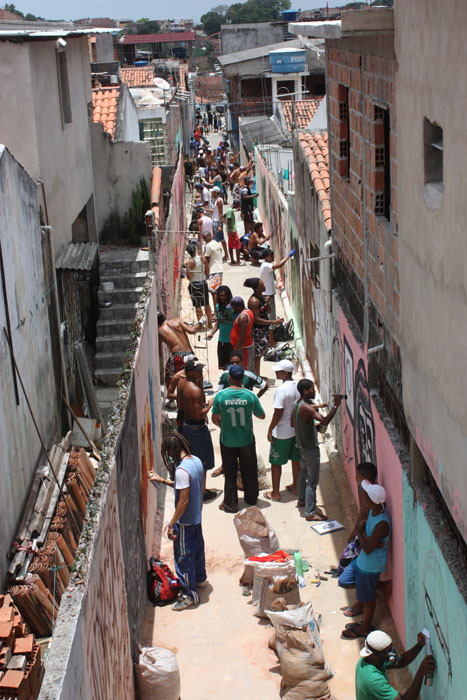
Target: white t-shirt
<point>266,273</point>
<point>285,396</point>
<point>215,253</point>
<point>206,225</point>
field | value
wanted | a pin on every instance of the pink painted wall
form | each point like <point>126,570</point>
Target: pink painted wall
<point>365,438</point>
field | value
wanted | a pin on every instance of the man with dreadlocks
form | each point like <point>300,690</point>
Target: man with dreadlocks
<point>185,527</point>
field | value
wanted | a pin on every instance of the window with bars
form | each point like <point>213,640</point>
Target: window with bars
<point>344,144</point>
<point>154,132</point>
<point>383,161</point>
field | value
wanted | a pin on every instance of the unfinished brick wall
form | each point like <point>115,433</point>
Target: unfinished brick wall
<point>364,200</point>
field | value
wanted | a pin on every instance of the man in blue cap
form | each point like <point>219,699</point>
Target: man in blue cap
<point>232,412</point>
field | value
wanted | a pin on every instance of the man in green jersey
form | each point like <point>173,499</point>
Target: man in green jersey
<point>377,656</point>
<point>304,415</point>
<point>232,412</point>
<point>250,379</point>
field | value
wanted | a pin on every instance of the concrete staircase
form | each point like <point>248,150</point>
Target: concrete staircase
<point>122,275</point>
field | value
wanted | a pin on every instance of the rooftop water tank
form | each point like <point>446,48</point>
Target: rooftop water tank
<point>289,15</point>
<point>287,60</point>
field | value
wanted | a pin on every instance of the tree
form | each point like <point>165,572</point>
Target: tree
<point>212,22</point>
<point>11,8</point>
<point>147,26</point>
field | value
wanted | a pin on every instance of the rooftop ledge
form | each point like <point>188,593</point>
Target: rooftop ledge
<point>376,20</point>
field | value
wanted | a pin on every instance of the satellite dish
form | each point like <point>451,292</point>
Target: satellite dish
<point>161,83</point>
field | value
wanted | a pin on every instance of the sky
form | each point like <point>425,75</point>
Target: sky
<point>122,9</point>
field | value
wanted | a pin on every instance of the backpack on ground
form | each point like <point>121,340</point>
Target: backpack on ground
<point>284,332</point>
<point>274,354</point>
<point>163,585</point>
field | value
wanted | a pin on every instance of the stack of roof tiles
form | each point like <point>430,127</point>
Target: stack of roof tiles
<point>138,77</point>
<point>39,576</point>
<point>104,107</point>
<point>20,658</point>
<point>316,151</point>
<point>305,110</point>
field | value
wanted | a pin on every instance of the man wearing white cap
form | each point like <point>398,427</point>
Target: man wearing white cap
<point>364,571</point>
<point>377,656</point>
<point>281,434</point>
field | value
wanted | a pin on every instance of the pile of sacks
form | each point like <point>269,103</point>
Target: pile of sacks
<point>275,595</point>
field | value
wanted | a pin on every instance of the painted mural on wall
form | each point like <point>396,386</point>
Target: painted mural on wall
<point>366,438</point>
<point>434,602</point>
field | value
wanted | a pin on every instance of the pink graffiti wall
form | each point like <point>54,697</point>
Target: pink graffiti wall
<point>148,409</point>
<point>365,438</point>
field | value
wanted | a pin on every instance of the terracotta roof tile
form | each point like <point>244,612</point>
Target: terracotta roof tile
<point>315,148</point>
<point>104,107</point>
<point>138,77</point>
<point>304,112</point>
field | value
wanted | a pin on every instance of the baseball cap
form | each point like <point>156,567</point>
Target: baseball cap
<point>236,301</point>
<point>375,492</point>
<point>199,185</point>
<point>193,365</point>
<point>216,189</point>
<point>236,371</point>
<point>283,366</point>
<point>376,641</point>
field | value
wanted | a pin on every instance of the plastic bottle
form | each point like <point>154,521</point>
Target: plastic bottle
<point>298,563</point>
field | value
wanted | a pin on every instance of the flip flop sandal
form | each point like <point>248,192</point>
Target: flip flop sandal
<point>353,634</point>
<point>352,613</point>
<point>352,625</point>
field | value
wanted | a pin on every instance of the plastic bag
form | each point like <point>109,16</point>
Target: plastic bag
<point>256,536</point>
<point>157,675</point>
<point>298,618</point>
<point>263,479</point>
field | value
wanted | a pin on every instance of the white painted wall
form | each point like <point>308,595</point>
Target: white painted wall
<point>127,128</point>
<point>118,167</point>
<point>432,82</point>
<point>20,237</point>
<point>31,125</point>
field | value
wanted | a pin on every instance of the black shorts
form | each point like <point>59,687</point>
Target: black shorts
<point>247,217</point>
<point>223,354</point>
<point>199,294</point>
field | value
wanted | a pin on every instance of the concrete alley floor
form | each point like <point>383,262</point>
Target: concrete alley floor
<point>221,647</point>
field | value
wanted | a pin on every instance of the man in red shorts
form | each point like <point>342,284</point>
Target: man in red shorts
<point>231,228</point>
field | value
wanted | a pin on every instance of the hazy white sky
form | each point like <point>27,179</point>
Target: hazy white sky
<point>119,9</point>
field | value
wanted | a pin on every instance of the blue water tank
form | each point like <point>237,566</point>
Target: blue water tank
<point>287,60</point>
<point>289,15</point>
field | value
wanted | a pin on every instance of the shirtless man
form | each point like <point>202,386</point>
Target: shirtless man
<point>177,380</point>
<point>173,332</point>
<point>192,401</point>
<point>257,238</point>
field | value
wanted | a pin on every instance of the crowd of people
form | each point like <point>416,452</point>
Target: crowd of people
<point>245,333</point>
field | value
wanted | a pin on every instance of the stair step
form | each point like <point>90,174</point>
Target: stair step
<point>117,312</point>
<point>118,326</point>
<point>112,343</point>
<point>125,281</point>
<point>124,267</point>
<point>110,360</point>
<point>108,376</point>
<point>120,295</point>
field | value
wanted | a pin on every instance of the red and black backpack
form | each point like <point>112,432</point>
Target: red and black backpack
<point>163,585</point>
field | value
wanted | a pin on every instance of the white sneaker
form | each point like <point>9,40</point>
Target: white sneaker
<point>183,602</point>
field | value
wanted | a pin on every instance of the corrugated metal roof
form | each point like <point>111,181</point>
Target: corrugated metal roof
<point>45,30</point>
<point>76,256</point>
<point>257,52</point>
<point>258,130</point>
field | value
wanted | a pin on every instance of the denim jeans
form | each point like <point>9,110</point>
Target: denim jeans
<point>308,478</point>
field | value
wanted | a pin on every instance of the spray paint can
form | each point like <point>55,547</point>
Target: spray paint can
<point>429,676</point>
<point>298,563</point>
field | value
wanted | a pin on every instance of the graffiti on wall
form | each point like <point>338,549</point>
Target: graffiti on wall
<point>435,602</point>
<point>366,439</point>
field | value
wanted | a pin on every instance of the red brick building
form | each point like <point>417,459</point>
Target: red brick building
<point>364,199</point>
